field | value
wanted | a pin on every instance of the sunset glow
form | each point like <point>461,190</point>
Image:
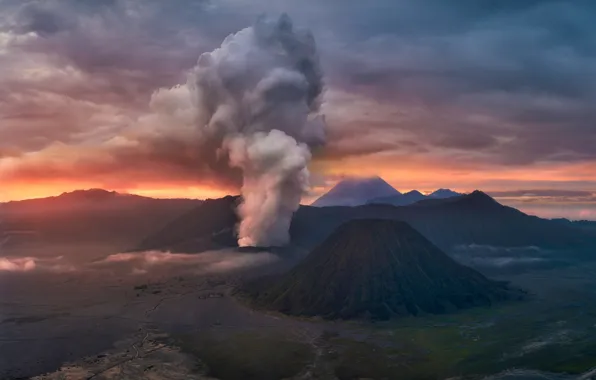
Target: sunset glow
<point>118,116</point>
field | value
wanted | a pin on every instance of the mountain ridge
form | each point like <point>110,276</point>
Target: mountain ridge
<point>91,194</point>
<point>94,215</point>
<point>359,191</point>
<point>414,196</point>
<point>473,218</point>
<point>355,192</point>
<point>404,199</point>
<point>444,193</point>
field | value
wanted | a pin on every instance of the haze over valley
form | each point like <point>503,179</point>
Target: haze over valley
<point>134,283</point>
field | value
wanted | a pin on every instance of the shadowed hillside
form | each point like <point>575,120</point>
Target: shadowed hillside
<point>399,199</point>
<point>356,192</point>
<point>210,225</point>
<point>413,196</point>
<point>90,216</point>
<point>474,218</point>
<point>377,269</point>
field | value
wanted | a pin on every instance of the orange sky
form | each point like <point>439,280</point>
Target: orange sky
<point>405,172</point>
<point>451,103</point>
<point>413,173</point>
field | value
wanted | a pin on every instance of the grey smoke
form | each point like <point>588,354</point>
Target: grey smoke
<point>258,99</point>
<point>250,105</point>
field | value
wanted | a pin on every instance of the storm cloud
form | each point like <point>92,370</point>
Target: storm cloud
<point>479,84</point>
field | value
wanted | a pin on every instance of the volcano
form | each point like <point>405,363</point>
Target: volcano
<point>378,269</point>
<point>356,192</point>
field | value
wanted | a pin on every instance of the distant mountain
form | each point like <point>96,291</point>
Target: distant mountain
<point>90,216</point>
<point>413,197</point>
<point>400,199</point>
<point>355,192</point>
<point>444,193</point>
<point>376,269</point>
<point>92,195</point>
<point>211,225</point>
<point>474,218</point>
<point>586,225</point>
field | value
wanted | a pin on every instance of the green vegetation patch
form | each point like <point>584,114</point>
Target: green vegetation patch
<point>247,356</point>
<point>361,360</point>
<point>464,346</point>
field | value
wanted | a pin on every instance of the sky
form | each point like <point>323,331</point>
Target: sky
<point>465,94</point>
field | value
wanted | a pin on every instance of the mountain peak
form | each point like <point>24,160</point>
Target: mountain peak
<point>480,195</point>
<point>443,193</point>
<point>399,199</point>
<point>89,194</point>
<point>356,192</point>
<point>376,268</point>
<point>374,180</point>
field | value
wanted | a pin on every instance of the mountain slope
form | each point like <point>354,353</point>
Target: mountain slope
<point>378,269</point>
<point>443,193</point>
<point>400,199</point>
<point>210,225</point>
<point>474,218</point>
<point>412,197</point>
<point>90,216</point>
<point>355,192</point>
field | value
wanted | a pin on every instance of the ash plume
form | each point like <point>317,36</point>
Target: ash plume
<point>258,101</point>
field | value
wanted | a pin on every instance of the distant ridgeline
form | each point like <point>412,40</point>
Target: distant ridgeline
<point>374,190</point>
<point>473,218</point>
<point>376,269</point>
<point>85,216</point>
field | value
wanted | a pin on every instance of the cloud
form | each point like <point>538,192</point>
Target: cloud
<point>163,144</point>
<point>551,203</point>
<point>509,84</point>
<point>543,193</point>
<point>79,92</point>
<point>493,259</point>
<point>140,263</point>
<point>135,47</point>
<point>204,263</point>
<point>17,265</point>
<point>524,72</point>
<point>35,264</point>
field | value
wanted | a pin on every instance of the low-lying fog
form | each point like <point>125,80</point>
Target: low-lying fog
<point>506,260</point>
<point>61,303</point>
<point>137,263</point>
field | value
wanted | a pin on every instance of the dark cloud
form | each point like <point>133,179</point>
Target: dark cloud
<point>138,161</point>
<point>133,48</point>
<point>35,18</point>
<point>499,82</point>
<point>79,73</point>
<point>543,193</point>
<point>551,203</point>
<point>529,67</point>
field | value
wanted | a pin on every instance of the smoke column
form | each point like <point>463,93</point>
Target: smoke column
<point>258,100</point>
